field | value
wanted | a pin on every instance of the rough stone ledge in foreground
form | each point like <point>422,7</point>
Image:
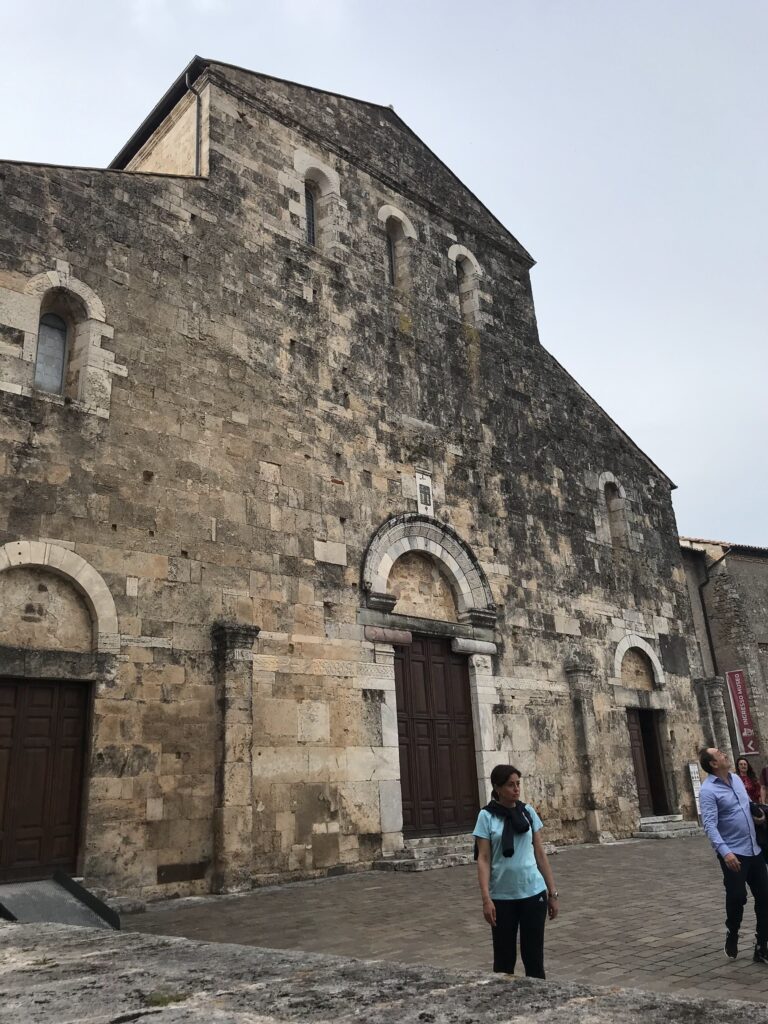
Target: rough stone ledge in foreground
<point>53,973</point>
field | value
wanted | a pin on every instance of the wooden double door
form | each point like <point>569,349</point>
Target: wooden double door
<point>42,755</point>
<point>645,744</point>
<point>438,772</point>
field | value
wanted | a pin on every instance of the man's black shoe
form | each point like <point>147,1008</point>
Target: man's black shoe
<point>761,953</point>
<point>732,946</point>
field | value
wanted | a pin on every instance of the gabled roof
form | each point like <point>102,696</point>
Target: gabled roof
<point>747,550</point>
<point>336,129</point>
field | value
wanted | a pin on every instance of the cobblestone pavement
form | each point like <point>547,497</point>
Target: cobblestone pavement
<point>646,914</point>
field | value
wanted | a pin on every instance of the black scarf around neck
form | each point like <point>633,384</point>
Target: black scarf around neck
<point>516,821</point>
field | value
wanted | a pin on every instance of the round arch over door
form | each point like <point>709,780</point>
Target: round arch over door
<point>443,749</point>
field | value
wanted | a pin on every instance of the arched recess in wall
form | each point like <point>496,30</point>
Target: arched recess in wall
<point>84,578</point>
<point>414,532</point>
<point>87,376</point>
<point>613,513</point>
<point>399,232</point>
<point>633,640</point>
<point>468,273</point>
<point>323,206</point>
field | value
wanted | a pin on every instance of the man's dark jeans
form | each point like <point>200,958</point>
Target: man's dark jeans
<point>755,875</point>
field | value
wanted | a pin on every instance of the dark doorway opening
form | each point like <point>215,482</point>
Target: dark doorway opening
<point>438,773</point>
<point>42,756</point>
<point>645,743</point>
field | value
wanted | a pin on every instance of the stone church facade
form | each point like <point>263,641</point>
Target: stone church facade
<point>302,530</point>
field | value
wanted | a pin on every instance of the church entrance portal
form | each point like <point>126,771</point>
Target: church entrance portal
<point>42,753</point>
<point>437,753</point>
<point>647,759</point>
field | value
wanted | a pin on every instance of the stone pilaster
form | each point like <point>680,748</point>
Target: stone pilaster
<point>484,695</point>
<point>233,813</point>
<point>710,695</point>
<point>580,672</point>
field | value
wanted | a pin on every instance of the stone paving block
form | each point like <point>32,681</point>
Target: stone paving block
<point>662,931</point>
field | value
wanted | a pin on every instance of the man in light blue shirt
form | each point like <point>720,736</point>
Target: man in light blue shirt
<point>727,820</point>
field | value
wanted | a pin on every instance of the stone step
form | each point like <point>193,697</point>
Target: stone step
<point>447,860</point>
<point>442,846</point>
<point>423,853</point>
<point>425,842</point>
<point>691,829</point>
<point>654,819</point>
<point>660,826</point>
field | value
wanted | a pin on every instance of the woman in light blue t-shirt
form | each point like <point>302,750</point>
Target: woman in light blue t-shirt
<point>515,878</point>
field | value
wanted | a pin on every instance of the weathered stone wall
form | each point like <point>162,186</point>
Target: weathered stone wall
<point>736,603</point>
<point>171,149</point>
<point>42,611</point>
<point>421,589</point>
<point>694,564</point>
<point>277,402</point>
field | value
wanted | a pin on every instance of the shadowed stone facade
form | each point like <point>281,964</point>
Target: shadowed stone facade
<point>728,587</point>
<point>272,463</point>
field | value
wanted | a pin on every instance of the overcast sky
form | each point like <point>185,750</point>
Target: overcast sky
<point>624,144</point>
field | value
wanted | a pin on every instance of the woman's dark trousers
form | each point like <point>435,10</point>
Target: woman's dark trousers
<point>529,916</point>
<point>753,874</point>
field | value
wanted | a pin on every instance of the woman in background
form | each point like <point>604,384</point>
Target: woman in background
<point>748,777</point>
<point>516,882</point>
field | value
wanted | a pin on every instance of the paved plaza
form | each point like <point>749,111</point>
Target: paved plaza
<point>645,914</point>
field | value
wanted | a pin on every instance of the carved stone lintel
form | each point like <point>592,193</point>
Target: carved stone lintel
<point>484,617</point>
<point>461,646</point>
<point>381,635</point>
<point>381,602</point>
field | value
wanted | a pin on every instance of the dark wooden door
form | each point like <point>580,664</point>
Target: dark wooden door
<point>638,759</point>
<point>438,773</point>
<point>650,724</point>
<point>42,749</point>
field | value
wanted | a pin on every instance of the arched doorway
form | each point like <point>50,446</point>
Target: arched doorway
<point>644,726</point>
<point>49,617</point>
<point>424,577</point>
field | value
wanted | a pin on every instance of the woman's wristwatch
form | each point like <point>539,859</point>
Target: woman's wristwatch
<point>553,895</point>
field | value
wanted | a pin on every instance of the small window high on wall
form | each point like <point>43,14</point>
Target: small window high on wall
<point>311,212</point>
<point>397,254</point>
<point>468,274</point>
<point>617,515</point>
<point>51,360</point>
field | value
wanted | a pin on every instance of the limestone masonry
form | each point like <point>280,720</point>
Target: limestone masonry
<point>53,973</point>
<point>303,529</point>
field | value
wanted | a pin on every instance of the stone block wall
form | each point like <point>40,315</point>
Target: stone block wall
<point>277,402</point>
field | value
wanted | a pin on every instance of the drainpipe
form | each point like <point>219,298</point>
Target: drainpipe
<point>705,616</point>
<point>198,112</point>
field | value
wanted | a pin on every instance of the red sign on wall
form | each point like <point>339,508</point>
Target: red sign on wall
<point>737,687</point>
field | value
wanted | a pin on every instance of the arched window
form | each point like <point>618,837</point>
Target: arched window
<point>399,234</point>
<point>615,505</point>
<point>51,354</point>
<point>468,275</point>
<point>468,302</point>
<point>391,261</point>
<point>309,203</point>
<point>397,256</point>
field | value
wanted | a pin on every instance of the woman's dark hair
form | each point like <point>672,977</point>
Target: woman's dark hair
<point>500,775</point>
<point>705,759</point>
<point>750,769</point>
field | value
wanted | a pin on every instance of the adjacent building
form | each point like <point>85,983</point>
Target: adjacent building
<point>728,588</point>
